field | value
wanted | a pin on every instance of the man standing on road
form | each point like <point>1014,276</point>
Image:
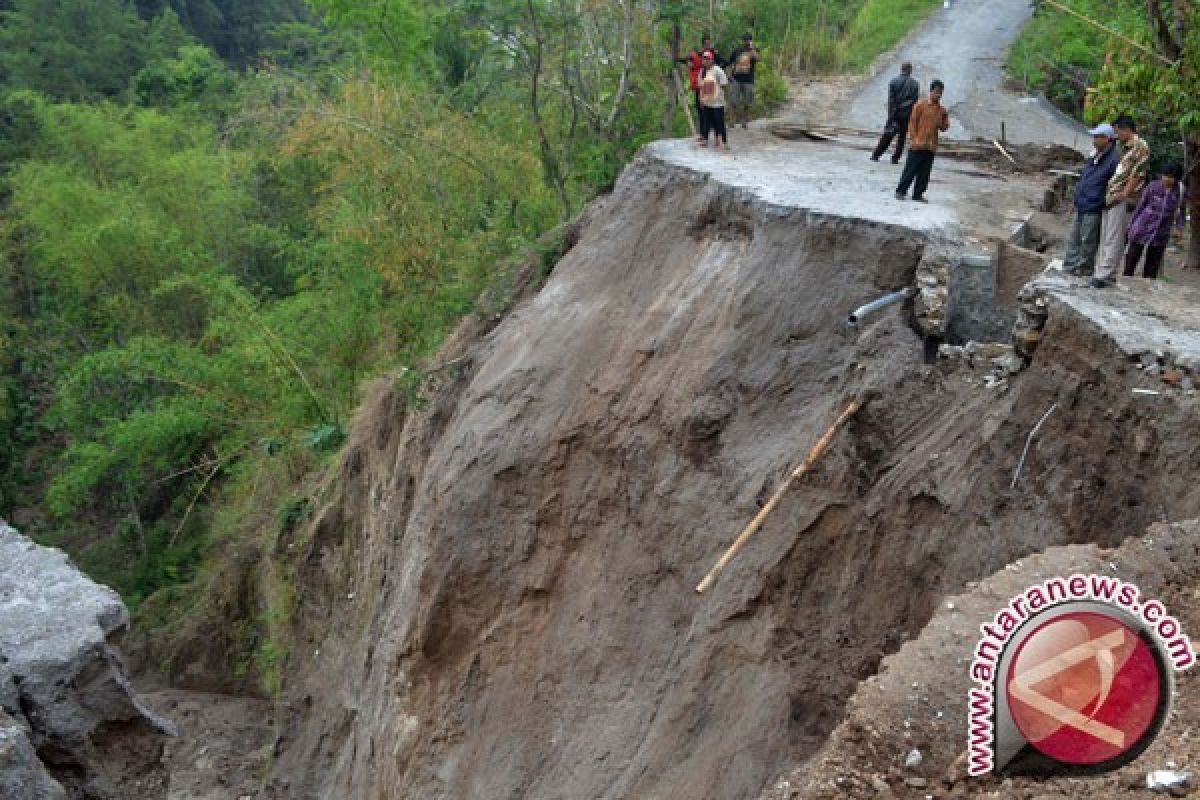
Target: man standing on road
<point>928,119</point>
<point>742,64</point>
<point>903,91</point>
<point>712,102</point>
<point>695,64</point>
<point>1084,238</point>
<point>1119,201</point>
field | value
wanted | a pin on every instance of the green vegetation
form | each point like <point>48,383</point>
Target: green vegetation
<point>1059,54</point>
<point>221,218</point>
<point>880,26</point>
<point>1146,65</point>
<point>817,36</point>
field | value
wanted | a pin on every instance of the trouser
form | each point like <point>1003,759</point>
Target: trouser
<point>714,122</point>
<point>741,97</point>
<point>897,128</point>
<point>1154,259</point>
<point>1112,241</point>
<point>699,112</point>
<point>917,168</point>
<point>1082,242</point>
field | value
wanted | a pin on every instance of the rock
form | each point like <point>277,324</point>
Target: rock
<point>22,775</point>
<point>916,782</point>
<point>1172,377</point>
<point>1010,364</point>
<point>1168,780</point>
<point>9,699</point>
<point>707,416</point>
<point>913,759</point>
<point>879,784</point>
<point>987,350</point>
<point>55,626</point>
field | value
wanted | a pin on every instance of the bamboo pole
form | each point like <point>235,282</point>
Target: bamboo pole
<point>813,455</point>
<point>681,96</point>
<point>1111,32</point>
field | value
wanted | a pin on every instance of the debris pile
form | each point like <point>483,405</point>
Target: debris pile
<point>989,363</point>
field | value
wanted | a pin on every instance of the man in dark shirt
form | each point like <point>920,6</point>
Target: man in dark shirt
<point>1084,239</point>
<point>903,92</point>
<point>742,64</point>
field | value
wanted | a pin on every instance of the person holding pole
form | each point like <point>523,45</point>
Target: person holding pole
<point>695,64</point>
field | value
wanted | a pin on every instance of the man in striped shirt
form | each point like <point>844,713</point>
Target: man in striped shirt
<point>1119,201</point>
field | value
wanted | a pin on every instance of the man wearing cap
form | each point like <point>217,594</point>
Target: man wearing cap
<point>1119,200</point>
<point>1084,238</point>
<point>903,93</point>
<point>742,64</point>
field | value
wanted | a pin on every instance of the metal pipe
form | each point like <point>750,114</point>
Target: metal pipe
<point>862,312</point>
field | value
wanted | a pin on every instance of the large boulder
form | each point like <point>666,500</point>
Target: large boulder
<point>62,683</point>
<point>22,775</point>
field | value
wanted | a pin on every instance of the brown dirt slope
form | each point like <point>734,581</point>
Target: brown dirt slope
<point>497,595</point>
<point>919,698</point>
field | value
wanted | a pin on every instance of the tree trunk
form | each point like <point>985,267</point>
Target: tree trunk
<point>1192,260</point>
<point>669,84</point>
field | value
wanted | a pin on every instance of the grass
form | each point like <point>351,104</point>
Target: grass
<point>878,27</point>
<point>1057,54</point>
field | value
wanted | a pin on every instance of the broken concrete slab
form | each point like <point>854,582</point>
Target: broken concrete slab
<point>1141,318</point>
<point>835,178</point>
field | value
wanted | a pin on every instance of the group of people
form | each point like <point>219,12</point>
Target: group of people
<point>716,82</point>
<point>1118,217</point>
<point>1116,214</point>
<point>918,122</point>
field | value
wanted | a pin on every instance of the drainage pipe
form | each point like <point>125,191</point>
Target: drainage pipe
<point>862,312</point>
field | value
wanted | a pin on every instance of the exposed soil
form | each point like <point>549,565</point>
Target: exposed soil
<point>919,698</point>
<point>528,551</point>
<point>496,595</point>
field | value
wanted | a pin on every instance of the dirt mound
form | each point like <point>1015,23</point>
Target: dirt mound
<point>919,698</point>
<point>497,595</point>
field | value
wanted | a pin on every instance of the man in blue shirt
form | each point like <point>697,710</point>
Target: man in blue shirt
<point>1084,239</point>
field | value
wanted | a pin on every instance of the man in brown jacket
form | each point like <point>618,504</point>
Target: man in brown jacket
<point>928,118</point>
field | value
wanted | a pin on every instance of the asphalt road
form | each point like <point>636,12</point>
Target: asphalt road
<point>965,46</point>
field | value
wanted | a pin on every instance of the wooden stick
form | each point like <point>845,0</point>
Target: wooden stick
<point>818,450</point>
<point>1111,32</point>
<point>682,95</point>
<point>1004,152</point>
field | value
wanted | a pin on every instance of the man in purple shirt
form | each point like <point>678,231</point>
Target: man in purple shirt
<point>1150,229</point>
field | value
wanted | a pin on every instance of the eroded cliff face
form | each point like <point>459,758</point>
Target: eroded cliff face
<point>497,596</point>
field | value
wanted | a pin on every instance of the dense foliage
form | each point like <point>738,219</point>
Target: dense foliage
<point>1135,57</point>
<point>222,216</point>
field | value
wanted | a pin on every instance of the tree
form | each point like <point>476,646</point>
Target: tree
<point>1163,78</point>
<point>82,50</point>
